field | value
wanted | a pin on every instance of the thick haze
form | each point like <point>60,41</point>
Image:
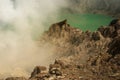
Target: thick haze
<point>109,7</point>
<point>20,22</point>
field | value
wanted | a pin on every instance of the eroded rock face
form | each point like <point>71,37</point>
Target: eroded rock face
<point>39,72</point>
<point>113,30</point>
<point>115,23</point>
<point>54,72</point>
<point>82,55</point>
<point>89,54</point>
<point>114,46</point>
<point>57,29</point>
<point>97,36</point>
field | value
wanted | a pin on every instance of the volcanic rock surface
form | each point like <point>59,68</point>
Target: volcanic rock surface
<point>82,55</point>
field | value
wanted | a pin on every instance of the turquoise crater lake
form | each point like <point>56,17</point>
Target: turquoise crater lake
<point>87,21</point>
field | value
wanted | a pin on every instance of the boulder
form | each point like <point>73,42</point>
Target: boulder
<point>55,69</point>
<point>97,36</point>
<point>114,46</point>
<point>115,23</point>
<point>107,31</point>
<point>38,70</point>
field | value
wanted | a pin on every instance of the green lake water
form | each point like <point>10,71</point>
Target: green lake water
<point>86,21</point>
<point>83,21</point>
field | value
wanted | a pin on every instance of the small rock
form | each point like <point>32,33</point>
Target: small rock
<point>55,69</point>
<point>37,70</point>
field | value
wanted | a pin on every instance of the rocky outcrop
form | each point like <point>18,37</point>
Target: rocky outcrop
<point>114,46</point>
<point>81,55</point>
<point>88,54</point>
<point>97,36</point>
<point>39,72</point>
<point>54,72</point>
<point>113,30</point>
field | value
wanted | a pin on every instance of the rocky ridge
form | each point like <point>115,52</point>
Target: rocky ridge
<point>82,55</point>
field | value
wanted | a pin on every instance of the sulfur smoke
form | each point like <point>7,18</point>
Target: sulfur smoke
<point>21,23</point>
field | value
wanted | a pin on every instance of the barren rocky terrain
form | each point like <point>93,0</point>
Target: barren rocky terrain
<point>81,55</point>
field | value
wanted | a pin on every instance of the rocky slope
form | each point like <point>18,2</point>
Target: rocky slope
<point>81,55</point>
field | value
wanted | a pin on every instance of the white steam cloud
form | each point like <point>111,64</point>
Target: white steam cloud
<point>20,21</point>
